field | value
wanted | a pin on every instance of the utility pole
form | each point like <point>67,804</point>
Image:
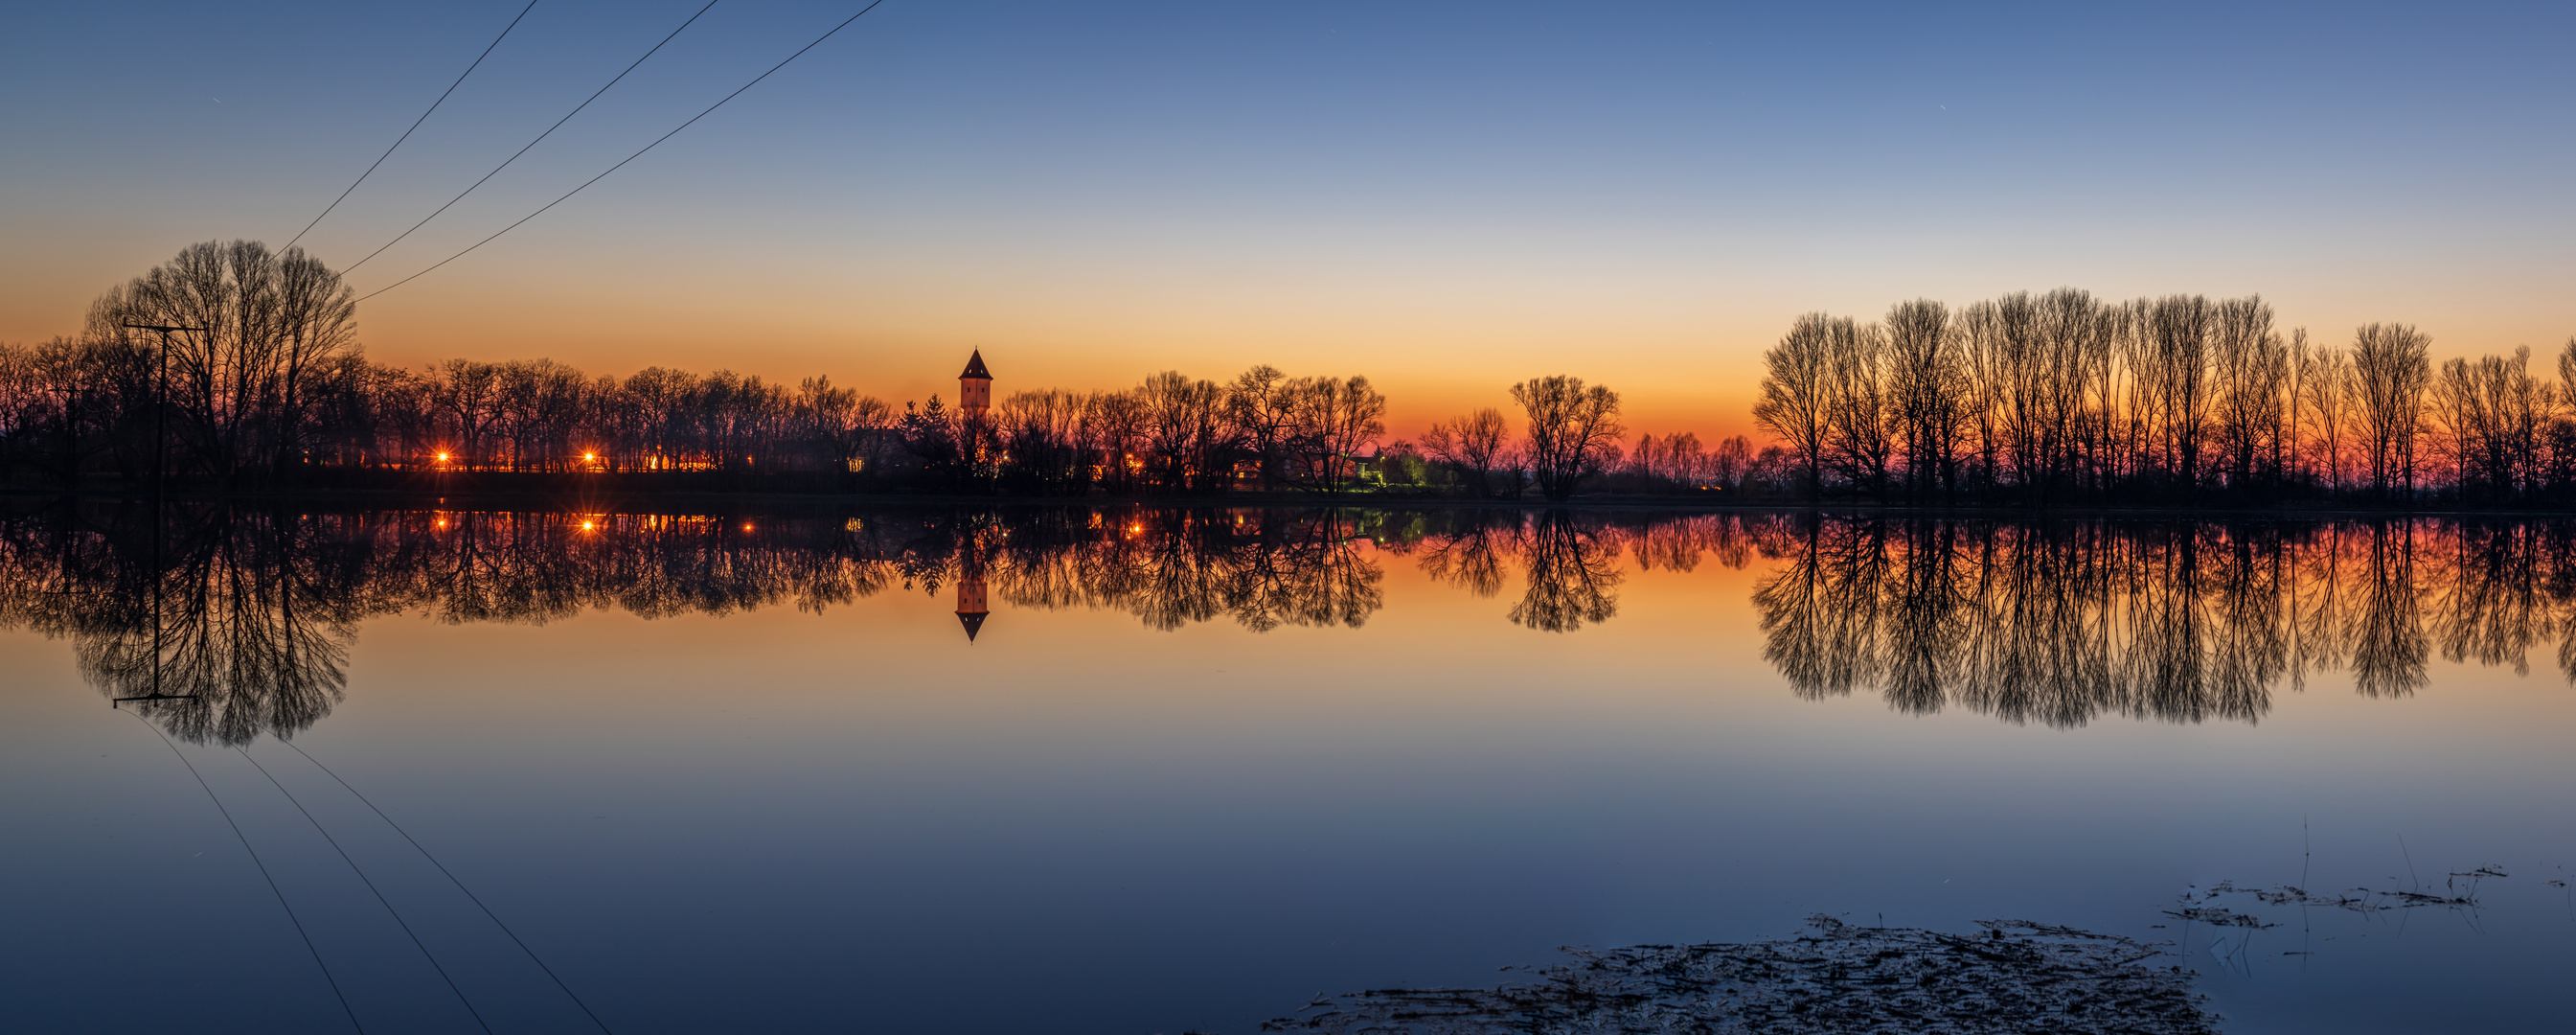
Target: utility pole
<point>160,419</point>
<point>160,480</point>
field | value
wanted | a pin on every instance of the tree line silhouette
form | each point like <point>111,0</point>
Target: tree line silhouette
<point>2067,398</point>
<point>2064,622</point>
<point>261,381</point>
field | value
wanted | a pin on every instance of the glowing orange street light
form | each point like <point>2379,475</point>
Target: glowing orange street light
<point>587,526</point>
<point>442,458</point>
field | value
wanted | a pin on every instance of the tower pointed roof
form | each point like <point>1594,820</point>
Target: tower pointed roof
<point>975,367</point>
<point>974,623</point>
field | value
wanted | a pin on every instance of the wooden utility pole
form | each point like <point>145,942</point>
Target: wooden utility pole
<point>160,419</point>
<point>160,481</point>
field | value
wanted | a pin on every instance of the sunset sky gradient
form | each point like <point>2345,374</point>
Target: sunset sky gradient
<point>1445,197</point>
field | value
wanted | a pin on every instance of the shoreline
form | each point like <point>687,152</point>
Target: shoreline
<point>580,496</point>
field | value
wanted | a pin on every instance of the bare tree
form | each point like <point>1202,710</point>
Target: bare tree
<point>1186,433</point>
<point>2073,337</point>
<point>1571,427</point>
<point>2328,409</point>
<point>1927,391</point>
<point>2251,369</point>
<point>23,404</point>
<point>2177,361</point>
<point>1797,393</point>
<point>1047,442</point>
<point>1263,409</point>
<point>1858,437</point>
<point>844,427</point>
<point>238,390</point>
<point>1732,462</point>
<point>1336,419</point>
<point>1471,447</point>
<point>1121,420</point>
<point>2391,370</point>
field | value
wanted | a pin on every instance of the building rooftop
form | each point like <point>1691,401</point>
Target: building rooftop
<point>975,367</point>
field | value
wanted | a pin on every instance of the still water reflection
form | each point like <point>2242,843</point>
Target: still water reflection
<point>2064,622</point>
<point>254,612</point>
<point>1312,750</point>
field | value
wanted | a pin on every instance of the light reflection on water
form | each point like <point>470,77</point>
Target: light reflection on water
<point>1145,769</point>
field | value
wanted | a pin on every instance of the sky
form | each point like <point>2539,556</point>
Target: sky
<point>1447,198</point>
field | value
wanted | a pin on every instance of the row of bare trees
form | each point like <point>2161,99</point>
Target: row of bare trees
<point>1173,434</point>
<point>2063,397</point>
<point>545,416</point>
<point>264,377</point>
<point>1570,435</point>
<point>262,381</point>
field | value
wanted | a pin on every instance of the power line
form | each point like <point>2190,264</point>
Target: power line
<point>773,69</point>
<point>496,170</point>
<point>460,885</point>
<point>371,886</point>
<point>415,124</point>
<point>263,873</point>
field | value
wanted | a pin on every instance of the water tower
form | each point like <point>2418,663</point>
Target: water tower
<point>975,387</point>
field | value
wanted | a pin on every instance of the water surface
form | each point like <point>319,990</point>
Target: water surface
<point>1156,770</point>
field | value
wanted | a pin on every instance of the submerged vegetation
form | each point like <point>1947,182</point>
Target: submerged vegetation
<point>2015,977</point>
<point>2012,978</point>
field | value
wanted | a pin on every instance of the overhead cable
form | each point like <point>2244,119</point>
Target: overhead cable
<point>496,170</point>
<point>415,123</point>
<point>451,878</point>
<point>773,69</point>
<point>371,887</point>
<point>264,875</point>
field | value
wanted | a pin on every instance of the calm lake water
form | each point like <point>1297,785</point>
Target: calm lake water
<point>1135,770</point>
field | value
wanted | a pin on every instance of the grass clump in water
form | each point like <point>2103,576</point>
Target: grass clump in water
<point>2016,977</point>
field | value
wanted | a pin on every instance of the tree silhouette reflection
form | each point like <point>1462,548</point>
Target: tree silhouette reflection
<point>1573,574</point>
<point>236,623</point>
<point>246,636</point>
<point>2059,623</point>
<point>228,624</point>
<point>1176,567</point>
<point>1571,561</point>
